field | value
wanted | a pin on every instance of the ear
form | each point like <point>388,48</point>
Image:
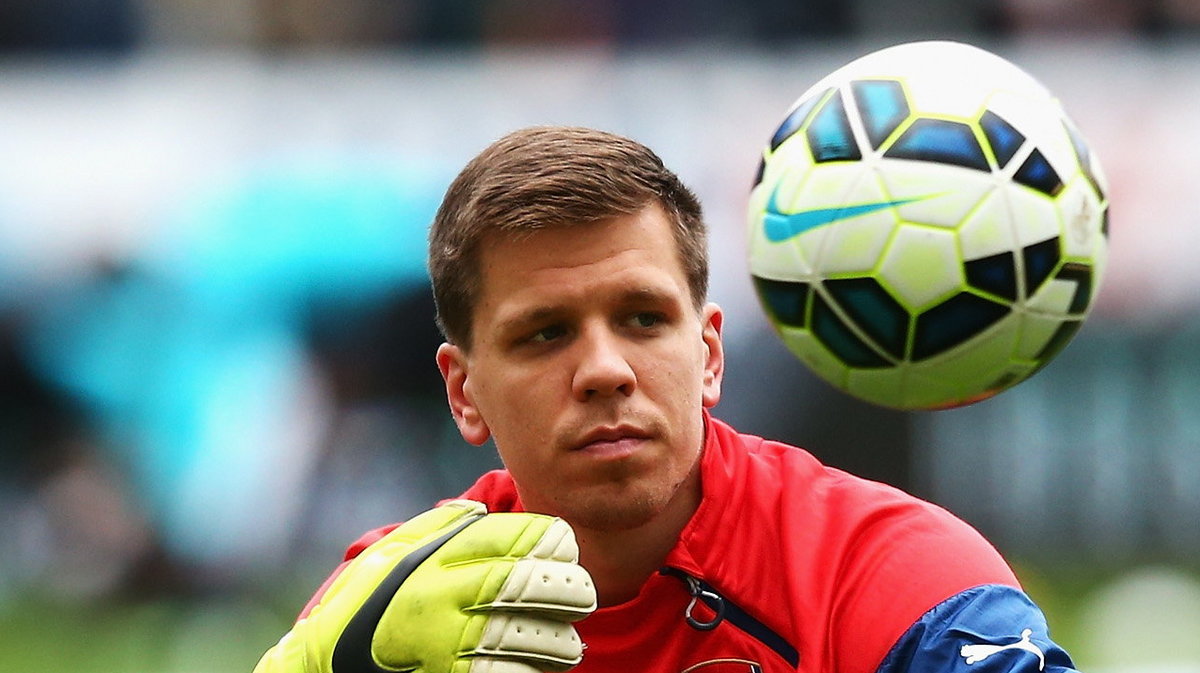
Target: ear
<point>454,365</point>
<point>714,362</point>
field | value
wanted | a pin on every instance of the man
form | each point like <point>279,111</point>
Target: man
<point>570,274</point>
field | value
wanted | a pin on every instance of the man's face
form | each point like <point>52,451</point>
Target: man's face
<point>589,367</point>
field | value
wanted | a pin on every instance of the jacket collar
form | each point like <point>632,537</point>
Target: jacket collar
<point>709,529</point>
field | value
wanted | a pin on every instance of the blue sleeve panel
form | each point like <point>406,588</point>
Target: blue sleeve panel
<point>987,629</point>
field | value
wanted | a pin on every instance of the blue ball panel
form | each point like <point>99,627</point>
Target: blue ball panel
<point>1040,260</point>
<point>829,135</point>
<point>996,274</point>
<point>1085,157</point>
<point>1081,275</point>
<point>786,301</point>
<point>940,141</point>
<point>795,120</point>
<point>952,322</point>
<point>837,337</point>
<point>874,311</point>
<point>882,106</point>
<point>1004,139</point>
<point>1038,174</point>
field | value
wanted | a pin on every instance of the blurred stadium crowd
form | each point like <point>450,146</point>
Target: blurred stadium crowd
<point>220,411</point>
<point>122,25</point>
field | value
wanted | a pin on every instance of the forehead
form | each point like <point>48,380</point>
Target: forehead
<point>626,254</point>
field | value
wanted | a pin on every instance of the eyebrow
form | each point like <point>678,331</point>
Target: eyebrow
<point>552,312</point>
<point>524,318</point>
<point>642,294</point>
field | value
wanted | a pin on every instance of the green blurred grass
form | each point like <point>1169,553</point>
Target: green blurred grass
<point>228,634</point>
<point>165,636</point>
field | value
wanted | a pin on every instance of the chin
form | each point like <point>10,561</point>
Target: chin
<point>623,502</point>
<point>615,512</point>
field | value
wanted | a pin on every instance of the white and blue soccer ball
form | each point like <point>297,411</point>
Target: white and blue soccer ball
<point>927,228</point>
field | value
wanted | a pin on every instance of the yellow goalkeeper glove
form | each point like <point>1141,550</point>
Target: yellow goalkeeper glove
<point>453,590</point>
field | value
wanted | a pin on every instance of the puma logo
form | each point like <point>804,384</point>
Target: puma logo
<point>974,654</point>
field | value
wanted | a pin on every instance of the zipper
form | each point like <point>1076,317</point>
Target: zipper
<point>725,610</point>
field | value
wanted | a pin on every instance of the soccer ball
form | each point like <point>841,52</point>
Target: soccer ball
<point>927,227</point>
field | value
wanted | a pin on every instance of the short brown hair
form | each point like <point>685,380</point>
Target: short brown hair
<point>551,176</point>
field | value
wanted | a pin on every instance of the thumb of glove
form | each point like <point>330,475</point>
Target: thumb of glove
<point>454,590</point>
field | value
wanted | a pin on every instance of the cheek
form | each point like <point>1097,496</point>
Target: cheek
<point>515,411</point>
<point>679,375</point>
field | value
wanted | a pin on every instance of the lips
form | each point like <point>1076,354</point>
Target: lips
<point>613,442</point>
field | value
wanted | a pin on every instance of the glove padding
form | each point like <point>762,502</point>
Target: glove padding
<point>453,590</point>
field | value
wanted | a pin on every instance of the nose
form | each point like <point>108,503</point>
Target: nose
<point>602,368</point>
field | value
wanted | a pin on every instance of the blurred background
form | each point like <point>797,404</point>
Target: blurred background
<point>216,335</point>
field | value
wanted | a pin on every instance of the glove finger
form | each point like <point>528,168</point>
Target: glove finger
<point>548,644</point>
<point>376,562</point>
<point>511,535</point>
<point>431,523</point>
<point>557,543</point>
<point>554,589</point>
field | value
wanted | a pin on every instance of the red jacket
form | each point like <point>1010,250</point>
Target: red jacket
<point>810,568</point>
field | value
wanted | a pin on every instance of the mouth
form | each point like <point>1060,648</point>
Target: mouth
<point>613,442</point>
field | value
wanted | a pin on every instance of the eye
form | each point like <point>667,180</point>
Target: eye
<point>547,334</point>
<point>645,319</point>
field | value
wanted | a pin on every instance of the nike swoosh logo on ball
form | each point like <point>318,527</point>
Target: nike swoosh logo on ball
<point>352,653</point>
<point>780,226</point>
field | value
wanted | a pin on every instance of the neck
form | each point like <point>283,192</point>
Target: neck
<point>620,561</point>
